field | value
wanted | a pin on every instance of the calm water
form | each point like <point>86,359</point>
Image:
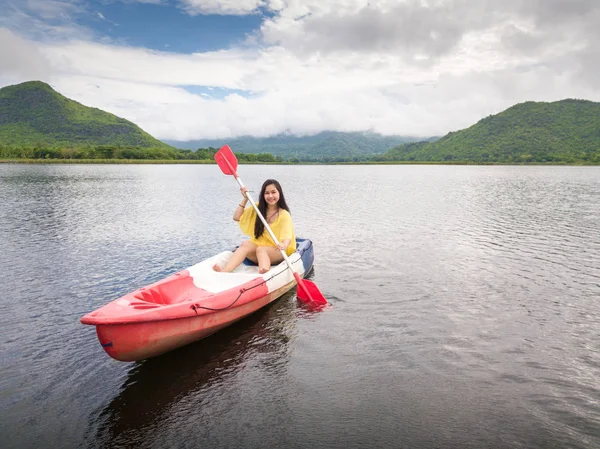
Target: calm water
<point>466,310</point>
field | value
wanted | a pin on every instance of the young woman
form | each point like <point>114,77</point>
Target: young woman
<point>260,248</point>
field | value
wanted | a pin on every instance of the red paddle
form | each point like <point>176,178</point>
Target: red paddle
<point>308,291</point>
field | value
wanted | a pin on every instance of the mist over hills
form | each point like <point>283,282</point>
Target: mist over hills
<point>34,114</point>
<point>38,122</point>
<point>331,144</point>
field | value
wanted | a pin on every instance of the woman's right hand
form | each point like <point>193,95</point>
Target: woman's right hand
<point>239,210</point>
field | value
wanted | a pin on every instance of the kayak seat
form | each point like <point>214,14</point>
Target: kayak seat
<point>172,291</point>
<point>149,295</point>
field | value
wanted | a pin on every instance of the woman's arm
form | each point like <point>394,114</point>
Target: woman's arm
<point>283,244</point>
<point>239,210</point>
<point>286,230</point>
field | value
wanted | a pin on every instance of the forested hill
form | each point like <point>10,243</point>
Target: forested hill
<point>324,145</point>
<point>33,113</point>
<point>566,131</point>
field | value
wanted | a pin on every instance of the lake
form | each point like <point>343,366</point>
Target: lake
<point>465,309</point>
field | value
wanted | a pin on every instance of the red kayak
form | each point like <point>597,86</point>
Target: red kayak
<point>191,304</point>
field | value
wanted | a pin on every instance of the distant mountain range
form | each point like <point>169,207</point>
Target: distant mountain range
<point>330,144</point>
<point>33,113</point>
<point>566,131</point>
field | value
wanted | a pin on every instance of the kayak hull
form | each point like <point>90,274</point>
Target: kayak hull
<point>190,305</point>
<point>139,341</point>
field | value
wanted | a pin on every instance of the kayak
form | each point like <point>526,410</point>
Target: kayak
<point>191,304</point>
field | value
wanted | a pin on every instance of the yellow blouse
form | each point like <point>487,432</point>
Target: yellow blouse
<point>282,227</point>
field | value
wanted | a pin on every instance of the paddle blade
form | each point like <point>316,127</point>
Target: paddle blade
<point>226,160</point>
<point>309,293</point>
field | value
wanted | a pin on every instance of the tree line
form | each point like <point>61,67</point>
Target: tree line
<point>445,151</point>
<point>122,152</point>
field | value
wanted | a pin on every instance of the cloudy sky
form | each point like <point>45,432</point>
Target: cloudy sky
<point>190,69</point>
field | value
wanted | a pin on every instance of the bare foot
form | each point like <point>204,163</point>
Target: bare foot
<point>216,267</point>
<point>262,270</point>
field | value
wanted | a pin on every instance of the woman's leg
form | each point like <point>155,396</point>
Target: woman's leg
<point>246,249</point>
<point>267,255</point>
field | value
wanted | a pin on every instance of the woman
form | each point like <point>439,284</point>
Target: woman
<point>260,248</point>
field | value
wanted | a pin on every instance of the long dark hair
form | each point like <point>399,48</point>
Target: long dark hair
<point>259,226</point>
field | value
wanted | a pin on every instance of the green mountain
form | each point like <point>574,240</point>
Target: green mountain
<point>566,131</point>
<point>33,113</point>
<point>324,145</point>
<point>38,122</point>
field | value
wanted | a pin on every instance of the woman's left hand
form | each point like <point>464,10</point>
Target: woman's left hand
<point>282,246</point>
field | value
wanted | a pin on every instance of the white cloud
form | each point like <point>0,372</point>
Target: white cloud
<point>224,7</point>
<point>394,67</point>
<point>41,20</point>
<point>53,9</point>
<point>20,59</point>
<point>147,66</point>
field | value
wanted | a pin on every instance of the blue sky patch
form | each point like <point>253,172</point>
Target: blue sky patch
<point>216,93</point>
<point>165,27</point>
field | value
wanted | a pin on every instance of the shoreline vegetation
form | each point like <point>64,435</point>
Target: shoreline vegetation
<point>120,155</point>
<point>406,154</point>
<point>108,154</point>
<point>415,153</point>
<point>208,162</point>
<point>160,156</point>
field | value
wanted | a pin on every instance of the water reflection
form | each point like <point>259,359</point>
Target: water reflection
<point>184,381</point>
